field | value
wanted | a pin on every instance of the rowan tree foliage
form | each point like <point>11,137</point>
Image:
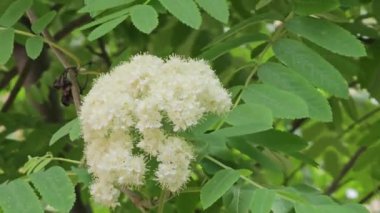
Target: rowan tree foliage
<point>299,131</point>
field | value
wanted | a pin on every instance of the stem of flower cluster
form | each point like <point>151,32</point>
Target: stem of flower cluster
<point>161,202</point>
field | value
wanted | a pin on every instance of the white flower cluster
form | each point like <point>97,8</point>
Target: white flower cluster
<point>138,97</point>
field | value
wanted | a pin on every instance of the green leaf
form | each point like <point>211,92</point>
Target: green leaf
<point>238,199</point>
<point>258,50</point>
<point>327,35</point>
<point>292,194</point>
<point>283,104</point>
<point>30,165</point>
<point>262,3</point>
<point>277,140</point>
<point>337,112</point>
<point>305,208</point>
<point>43,22</point>
<point>18,197</point>
<point>262,200</point>
<point>371,156</point>
<point>244,129</point>
<point>350,108</point>
<point>330,208</point>
<point>313,195</point>
<point>55,187</point>
<point>65,130</point>
<point>217,186</point>
<point>247,114</point>
<point>280,205</point>
<point>105,18</point>
<point>247,119</point>
<point>144,17</point>
<point>304,158</point>
<point>286,79</point>
<point>187,202</point>
<point>217,9</point>
<point>185,10</point>
<point>82,176</point>
<point>357,208</point>
<point>250,150</point>
<point>306,7</point>
<point>105,28</point>
<point>205,124</point>
<point>222,48</point>
<point>311,66</point>
<point>14,12</point>
<point>212,144</point>
<point>34,46</point>
<point>41,165</point>
<point>75,131</point>
<point>4,5</point>
<point>35,164</point>
<point>96,5</point>
<point>376,9</point>
<point>6,41</point>
<point>347,66</point>
<point>331,162</point>
<point>256,18</point>
<point>372,136</point>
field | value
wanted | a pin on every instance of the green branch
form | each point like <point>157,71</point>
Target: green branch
<point>359,121</point>
<point>50,43</point>
<point>161,202</point>
<point>248,180</point>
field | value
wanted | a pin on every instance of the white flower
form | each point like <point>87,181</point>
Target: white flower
<point>132,171</point>
<point>135,101</point>
<point>175,150</point>
<point>106,107</point>
<point>136,75</point>
<point>175,156</point>
<point>119,165</point>
<point>147,112</point>
<point>152,140</point>
<point>105,193</point>
<point>191,90</point>
<point>172,176</point>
